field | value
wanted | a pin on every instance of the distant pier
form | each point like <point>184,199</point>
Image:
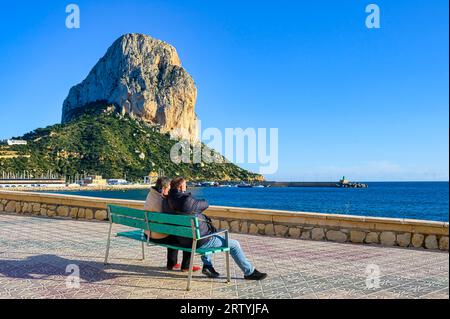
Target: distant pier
<point>303,184</point>
<point>32,182</point>
<point>343,183</point>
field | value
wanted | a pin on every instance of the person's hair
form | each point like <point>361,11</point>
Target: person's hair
<point>162,182</point>
<point>176,182</point>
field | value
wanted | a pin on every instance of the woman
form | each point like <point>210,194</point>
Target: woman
<point>154,203</point>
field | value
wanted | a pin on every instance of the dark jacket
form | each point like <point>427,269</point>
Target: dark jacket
<point>183,203</point>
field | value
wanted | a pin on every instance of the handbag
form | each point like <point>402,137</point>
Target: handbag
<point>208,220</point>
<point>200,216</point>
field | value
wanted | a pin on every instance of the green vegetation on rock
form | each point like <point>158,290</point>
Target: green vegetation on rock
<point>109,144</point>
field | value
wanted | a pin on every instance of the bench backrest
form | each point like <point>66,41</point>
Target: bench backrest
<point>177,225</point>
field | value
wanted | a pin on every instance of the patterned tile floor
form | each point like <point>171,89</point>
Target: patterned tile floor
<point>35,253</point>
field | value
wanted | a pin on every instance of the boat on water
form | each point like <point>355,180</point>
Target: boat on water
<point>244,185</point>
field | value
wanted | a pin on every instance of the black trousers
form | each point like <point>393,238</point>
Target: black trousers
<point>172,258</point>
<point>172,254</point>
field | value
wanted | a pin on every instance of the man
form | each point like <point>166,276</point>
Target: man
<point>154,203</point>
<point>180,202</point>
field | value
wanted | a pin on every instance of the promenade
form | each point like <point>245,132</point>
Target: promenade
<point>35,253</point>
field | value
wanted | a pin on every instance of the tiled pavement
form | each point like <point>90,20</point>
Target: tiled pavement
<point>34,254</point>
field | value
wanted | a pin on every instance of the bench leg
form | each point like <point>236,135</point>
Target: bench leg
<point>191,264</point>
<point>143,250</point>
<point>108,244</point>
<point>227,257</point>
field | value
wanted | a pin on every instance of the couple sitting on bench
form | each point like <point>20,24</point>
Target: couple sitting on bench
<point>171,197</point>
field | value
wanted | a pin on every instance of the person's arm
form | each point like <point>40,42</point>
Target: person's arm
<point>201,205</point>
<point>192,205</point>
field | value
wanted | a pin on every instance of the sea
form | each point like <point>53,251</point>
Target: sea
<point>416,200</point>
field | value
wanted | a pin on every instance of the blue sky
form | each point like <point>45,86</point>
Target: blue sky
<point>368,104</point>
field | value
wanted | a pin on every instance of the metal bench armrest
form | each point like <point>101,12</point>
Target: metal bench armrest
<point>225,231</point>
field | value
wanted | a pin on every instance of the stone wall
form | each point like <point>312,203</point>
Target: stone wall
<point>57,205</point>
<point>336,228</point>
<point>299,225</point>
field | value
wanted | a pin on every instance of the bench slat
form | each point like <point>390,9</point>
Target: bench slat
<point>139,235</point>
<point>127,221</point>
<point>126,211</point>
<point>172,230</point>
<point>201,251</point>
<point>180,220</point>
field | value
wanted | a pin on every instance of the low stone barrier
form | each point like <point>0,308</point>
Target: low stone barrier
<point>310,226</point>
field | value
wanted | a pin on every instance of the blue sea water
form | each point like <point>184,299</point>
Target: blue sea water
<point>417,200</point>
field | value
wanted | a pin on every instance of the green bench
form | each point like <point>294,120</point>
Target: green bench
<point>176,225</point>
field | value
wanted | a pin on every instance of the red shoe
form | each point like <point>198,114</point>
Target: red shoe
<point>176,267</point>
<point>194,269</point>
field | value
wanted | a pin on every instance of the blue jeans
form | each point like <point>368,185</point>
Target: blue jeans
<point>235,252</point>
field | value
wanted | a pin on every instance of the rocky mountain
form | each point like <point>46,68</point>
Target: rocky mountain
<point>121,120</point>
<point>143,77</point>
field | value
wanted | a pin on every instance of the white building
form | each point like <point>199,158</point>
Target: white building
<point>16,142</point>
<point>117,182</point>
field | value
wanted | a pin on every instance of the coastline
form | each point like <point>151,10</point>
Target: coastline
<point>148,186</point>
<point>391,200</point>
<point>81,188</point>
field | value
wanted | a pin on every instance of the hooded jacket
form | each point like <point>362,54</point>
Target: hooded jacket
<point>184,203</point>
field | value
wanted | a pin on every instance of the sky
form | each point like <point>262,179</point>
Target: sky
<point>370,104</point>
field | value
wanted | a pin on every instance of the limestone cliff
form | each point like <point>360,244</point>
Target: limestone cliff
<point>143,77</point>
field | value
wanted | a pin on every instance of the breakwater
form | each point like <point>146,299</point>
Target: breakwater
<point>317,184</point>
<point>303,184</point>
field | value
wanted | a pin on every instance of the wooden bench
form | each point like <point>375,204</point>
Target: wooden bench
<point>176,225</point>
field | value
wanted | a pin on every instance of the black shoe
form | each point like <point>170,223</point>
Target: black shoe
<point>256,275</point>
<point>173,267</point>
<point>210,272</point>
